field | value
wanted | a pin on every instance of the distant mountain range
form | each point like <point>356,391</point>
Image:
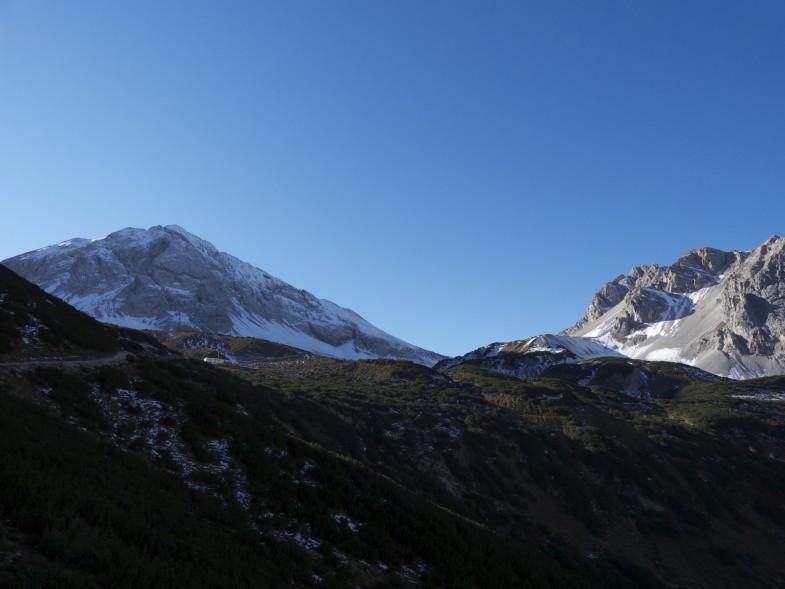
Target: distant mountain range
<point>165,278</point>
<point>723,312</point>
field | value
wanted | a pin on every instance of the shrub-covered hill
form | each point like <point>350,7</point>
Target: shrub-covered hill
<point>36,325</point>
<point>158,470</point>
<point>152,470</point>
<point>683,482</point>
<point>173,472</point>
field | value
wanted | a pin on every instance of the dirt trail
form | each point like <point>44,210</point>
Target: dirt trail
<point>116,359</point>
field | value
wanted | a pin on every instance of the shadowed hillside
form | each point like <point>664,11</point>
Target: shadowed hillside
<point>156,469</point>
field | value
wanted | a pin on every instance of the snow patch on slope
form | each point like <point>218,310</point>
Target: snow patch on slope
<point>166,278</point>
<point>530,357</point>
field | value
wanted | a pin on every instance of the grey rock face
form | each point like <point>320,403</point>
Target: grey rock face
<point>693,271</point>
<point>166,278</point>
<point>720,311</point>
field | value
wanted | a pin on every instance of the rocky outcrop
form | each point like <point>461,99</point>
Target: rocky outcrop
<point>168,279</point>
<point>531,357</point>
<point>720,311</point>
<point>693,271</point>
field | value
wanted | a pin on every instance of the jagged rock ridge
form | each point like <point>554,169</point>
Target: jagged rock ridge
<point>723,312</point>
<point>166,278</point>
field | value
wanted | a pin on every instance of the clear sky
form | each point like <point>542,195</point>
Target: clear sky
<point>456,172</point>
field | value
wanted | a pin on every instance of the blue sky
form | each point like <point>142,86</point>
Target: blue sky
<point>456,172</point>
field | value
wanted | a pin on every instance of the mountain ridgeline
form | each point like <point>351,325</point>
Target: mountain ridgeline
<point>165,278</point>
<point>720,311</point>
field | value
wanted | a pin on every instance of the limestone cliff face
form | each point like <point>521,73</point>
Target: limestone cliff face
<point>720,311</point>
<point>692,272</point>
<point>166,278</point>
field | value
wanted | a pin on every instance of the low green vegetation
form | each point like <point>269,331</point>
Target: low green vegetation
<point>99,516</point>
<point>306,471</point>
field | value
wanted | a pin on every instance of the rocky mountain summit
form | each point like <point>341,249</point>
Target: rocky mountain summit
<point>165,278</point>
<point>720,311</point>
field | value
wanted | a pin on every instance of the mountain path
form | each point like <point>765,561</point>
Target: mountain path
<point>116,359</point>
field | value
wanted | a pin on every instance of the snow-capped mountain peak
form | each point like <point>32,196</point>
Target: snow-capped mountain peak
<point>167,278</point>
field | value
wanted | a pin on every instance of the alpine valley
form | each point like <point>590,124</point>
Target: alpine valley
<point>326,453</point>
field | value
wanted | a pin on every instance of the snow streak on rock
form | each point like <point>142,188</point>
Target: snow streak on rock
<point>720,311</point>
<point>165,278</point>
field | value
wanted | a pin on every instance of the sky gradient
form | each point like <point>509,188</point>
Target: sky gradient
<point>456,172</point>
